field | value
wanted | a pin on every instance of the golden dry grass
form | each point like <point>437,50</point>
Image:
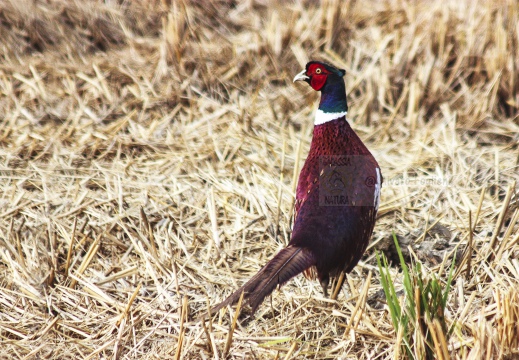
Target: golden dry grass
<point>149,152</point>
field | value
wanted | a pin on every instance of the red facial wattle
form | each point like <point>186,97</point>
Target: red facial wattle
<point>317,81</point>
<point>318,76</point>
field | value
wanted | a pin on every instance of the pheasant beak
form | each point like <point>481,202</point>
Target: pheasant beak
<point>301,76</point>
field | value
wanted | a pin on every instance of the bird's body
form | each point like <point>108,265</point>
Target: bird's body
<point>336,232</point>
<point>336,199</point>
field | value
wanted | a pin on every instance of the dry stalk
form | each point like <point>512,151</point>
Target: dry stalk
<point>138,137</point>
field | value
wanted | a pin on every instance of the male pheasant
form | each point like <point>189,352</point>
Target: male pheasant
<point>337,198</point>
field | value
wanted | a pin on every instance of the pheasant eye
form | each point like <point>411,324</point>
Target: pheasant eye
<point>318,71</point>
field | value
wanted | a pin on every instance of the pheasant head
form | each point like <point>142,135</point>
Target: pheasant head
<point>329,80</point>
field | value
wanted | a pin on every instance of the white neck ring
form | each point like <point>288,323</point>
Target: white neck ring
<point>321,117</point>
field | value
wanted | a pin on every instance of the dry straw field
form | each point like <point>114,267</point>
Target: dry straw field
<point>149,152</point>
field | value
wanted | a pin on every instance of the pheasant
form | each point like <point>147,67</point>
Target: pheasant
<point>337,198</point>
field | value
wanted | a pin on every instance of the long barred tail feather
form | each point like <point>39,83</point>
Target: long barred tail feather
<point>285,265</point>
